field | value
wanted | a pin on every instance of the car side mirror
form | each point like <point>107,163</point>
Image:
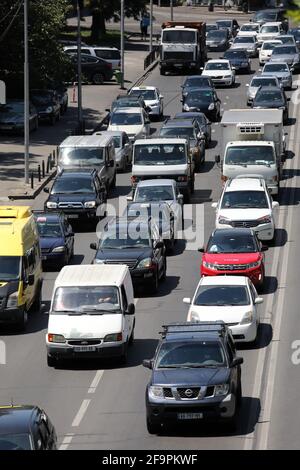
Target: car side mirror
<point>180,198</point>
<point>237,361</point>
<point>107,109</point>
<point>214,205</point>
<point>217,158</point>
<point>129,198</point>
<point>181,101</point>
<point>186,300</point>
<point>201,250</point>
<point>111,164</point>
<point>46,190</point>
<point>247,85</point>
<point>93,246</point>
<point>126,145</point>
<point>130,309</point>
<point>148,363</point>
<point>264,248</point>
<point>258,300</point>
<point>161,97</point>
<point>275,204</point>
<point>31,280</point>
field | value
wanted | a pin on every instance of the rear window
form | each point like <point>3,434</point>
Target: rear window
<point>108,54</point>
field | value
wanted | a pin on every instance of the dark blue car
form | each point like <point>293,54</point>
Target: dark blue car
<point>56,238</point>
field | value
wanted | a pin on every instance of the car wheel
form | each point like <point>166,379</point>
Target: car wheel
<point>51,361</point>
<point>23,320</point>
<point>239,395</point>
<point>193,184</point>
<point>162,71</point>
<point>187,196</point>
<point>164,271</point>
<point>131,339</point>
<point>52,120</point>
<point>36,124</point>
<point>98,78</point>
<point>113,183</point>
<point>58,117</point>
<point>124,356</point>
<point>154,284</point>
<point>153,428</point>
<point>37,304</point>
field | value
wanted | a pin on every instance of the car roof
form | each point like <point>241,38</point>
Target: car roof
<point>272,23</point>
<point>202,89</point>
<point>66,173</point>
<point>217,61</point>
<point>51,216</point>
<point>144,87</point>
<point>133,110</point>
<point>188,114</point>
<point>157,182</point>
<point>160,140</point>
<point>245,184</point>
<point>17,419</point>
<point>86,140</point>
<point>223,280</point>
<point>233,232</point>
<point>91,274</point>
<point>178,123</point>
<point>187,330</point>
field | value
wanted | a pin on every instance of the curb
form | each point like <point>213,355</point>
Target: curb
<point>36,192</point>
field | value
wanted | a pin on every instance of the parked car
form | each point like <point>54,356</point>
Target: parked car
<point>281,71</point>
<point>195,81</point>
<point>218,40</point>
<point>47,104</point>
<point>134,121</point>
<point>247,43</point>
<point>12,117</point>
<point>232,299</point>
<point>203,100</point>
<point>94,69</point>
<point>196,376</point>
<point>203,122</point>
<point>239,59</point>
<point>272,97</point>
<point>109,54</point>
<point>288,54</point>
<point>266,50</point>
<point>258,81</point>
<point>56,238</point>
<point>152,98</point>
<point>220,72</point>
<point>26,427</point>
<point>234,251</point>
<point>123,148</point>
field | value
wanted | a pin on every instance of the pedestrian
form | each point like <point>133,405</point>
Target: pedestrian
<point>144,23</point>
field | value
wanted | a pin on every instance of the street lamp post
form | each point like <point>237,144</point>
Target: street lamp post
<point>79,81</point>
<point>122,45</point>
<point>151,26</point>
<point>26,95</point>
<point>172,12</point>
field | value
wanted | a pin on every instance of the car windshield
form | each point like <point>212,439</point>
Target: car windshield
<point>272,96</point>
<point>178,132</point>
<point>199,97</point>
<point>265,16</point>
<point>221,296</point>
<point>217,66</point>
<point>276,68</point>
<point>160,154</point>
<point>244,199</point>
<point>10,267</point>
<point>126,119</point>
<point>269,46</point>
<point>216,34</point>
<point>107,54</point>
<point>269,29</point>
<point>189,354</point>
<point>244,40</point>
<point>257,82</point>
<point>12,108</point>
<point>249,27</point>
<point>236,55</point>
<point>249,155</point>
<point>86,299</point>
<point>126,103</point>
<point>73,186</point>
<point>154,193</point>
<point>224,24</point>
<point>282,50</point>
<point>117,141</point>
<point>81,156</point>
<point>49,229</point>
<point>146,94</point>
<point>211,27</point>
<point>180,36</point>
<point>132,235</point>
<point>41,99</point>
<point>224,243</point>
<point>287,39</point>
<point>15,442</point>
<point>196,82</point>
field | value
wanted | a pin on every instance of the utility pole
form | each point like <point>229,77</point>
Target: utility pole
<point>122,45</point>
<point>172,13</point>
<point>151,26</point>
<point>26,95</point>
<point>79,82</point>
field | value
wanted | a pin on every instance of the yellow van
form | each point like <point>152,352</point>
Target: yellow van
<point>20,265</point>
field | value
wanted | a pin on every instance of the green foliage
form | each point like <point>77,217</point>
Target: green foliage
<point>294,14</point>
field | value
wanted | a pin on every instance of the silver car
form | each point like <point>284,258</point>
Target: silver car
<point>258,81</point>
<point>248,43</point>
<point>123,148</point>
<point>281,71</point>
<point>287,53</point>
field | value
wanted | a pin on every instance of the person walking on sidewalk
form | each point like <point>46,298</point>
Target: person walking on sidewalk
<point>144,23</point>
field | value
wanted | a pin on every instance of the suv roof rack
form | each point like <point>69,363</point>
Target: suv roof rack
<point>189,327</point>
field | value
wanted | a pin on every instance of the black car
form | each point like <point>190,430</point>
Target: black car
<point>12,117</point>
<point>47,104</point>
<point>94,69</point>
<point>62,93</point>
<point>137,243</point>
<point>272,97</point>
<point>218,40</point>
<point>56,238</point>
<point>238,59</point>
<point>78,194</point>
<point>204,100</point>
<point>196,81</point>
<point>26,427</point>
<point>196,376</point>
<point>203,122</point>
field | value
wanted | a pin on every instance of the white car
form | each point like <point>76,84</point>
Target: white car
<point>246,203</point>
<point>267,49</point>
<point>134,121</point>
<point>269,31</point>
<point>152,97</point>
<point>249,29</point>
<point>220,72</point>
<point>247,43</point>
<point>232,299</point>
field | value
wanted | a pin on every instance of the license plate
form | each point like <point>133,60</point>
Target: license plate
<point>6,127</point>
<point>85,349</point>
<point>189,415</point>
<point>73,216</point>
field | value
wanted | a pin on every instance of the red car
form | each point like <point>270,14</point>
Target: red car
<point>236,251</point>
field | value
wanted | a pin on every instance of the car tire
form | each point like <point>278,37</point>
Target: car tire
<point>98,78</point>
<point>36,124</point>
<point>124,357</point>
<point>113,183</point>
<point>239,395</point>
<point>154,284</point>
<point>153,428</point>
<point>162,71</point>
<point>193,184</point>
<point>58,116</point>
<point>131,339</point>
<point>187,196</point>
<point>51,361</point>
<point>164,272</point>
<point>22,323</point>
<point>52,120</point>
<point>37,304</point>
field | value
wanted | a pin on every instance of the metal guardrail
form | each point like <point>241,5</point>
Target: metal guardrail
<point>151,57</point>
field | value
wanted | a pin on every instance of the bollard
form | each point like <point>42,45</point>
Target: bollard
<point>39,172</point>
<point>48,163</point>
<point>31,180</point>
<point>53,153</point>
<point>43,169</point>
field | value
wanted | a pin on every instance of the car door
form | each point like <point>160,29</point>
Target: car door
<point>231,353</point>
<point>127,147</point>
<point>69,240</point>
<point>254,295</point>
<point>217,102</point>
<point>159,253</point>
<point>128,319</point>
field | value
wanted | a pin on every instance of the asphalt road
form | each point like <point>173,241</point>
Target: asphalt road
<point>99,405</point>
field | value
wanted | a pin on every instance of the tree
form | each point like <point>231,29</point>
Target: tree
<point>294,10</point>
<point>47,60</point>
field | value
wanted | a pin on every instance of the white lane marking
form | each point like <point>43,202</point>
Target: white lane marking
<point>95,381</point>
<point>81,412</point>
<point>66,442</point>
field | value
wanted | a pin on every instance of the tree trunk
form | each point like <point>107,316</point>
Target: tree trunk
<point>98,28</point>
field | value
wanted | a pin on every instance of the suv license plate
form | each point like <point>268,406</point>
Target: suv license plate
<point>73,216</point>
<point>85,349</point>
<point>189,415</point>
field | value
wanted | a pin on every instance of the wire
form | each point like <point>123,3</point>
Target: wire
<point>7,14</point>
<point>10,24</point>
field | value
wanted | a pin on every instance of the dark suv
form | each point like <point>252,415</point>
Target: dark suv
<point>78,194</point>
<point>47,103</point>
<point>196,376</point>
<point>135,242</point>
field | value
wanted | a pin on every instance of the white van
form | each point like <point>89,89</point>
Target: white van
<point>92,313</point>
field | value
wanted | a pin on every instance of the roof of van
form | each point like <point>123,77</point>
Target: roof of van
<point>91,274</point>
<point>235,116</point>
<point>13,221</point>
<point>86,141</point>
<point>160,140</point>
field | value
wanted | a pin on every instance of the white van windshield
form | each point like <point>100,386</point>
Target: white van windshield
<point>249,155</point>
<point>86,300</point>
<point>160,154</point>
<point>81,156</point>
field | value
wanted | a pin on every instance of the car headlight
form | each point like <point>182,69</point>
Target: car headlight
<point>247,318</point>
<point>255,264</point>
<point>265,220</point>
<point>90,204</point>
<point>145,263</point>
<point>49,109</point>
<point>58,249</point>
<point>156,392</point>
<point>186,107</point>
<point>52,338</point>
<point>113,337</point>
<point>222,389</point>
<point>51,205</point>
<point>227,76</point>
<point>12,300</point>
<point>194,317</point>
<point>99,261</point>
<point>209,265</point>
<point>223,220</point>
<point>211,106</point>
